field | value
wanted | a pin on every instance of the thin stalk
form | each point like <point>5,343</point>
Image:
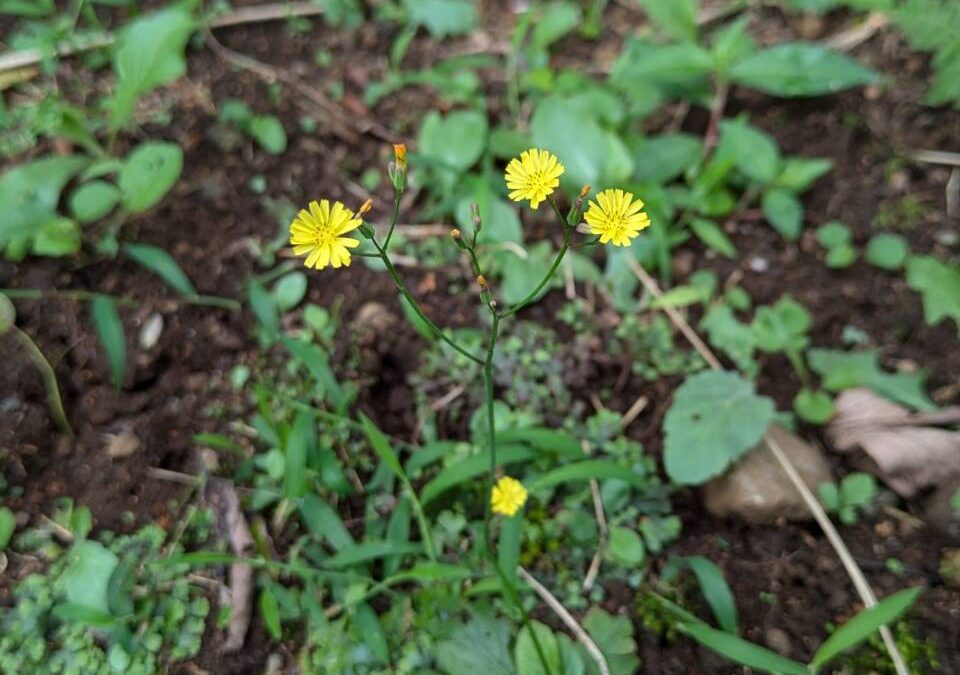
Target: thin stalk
<point>393,218</point>
<point>402,287</point>
<point>88,296</point>
<point>54,399</point>
<point>491,421</point>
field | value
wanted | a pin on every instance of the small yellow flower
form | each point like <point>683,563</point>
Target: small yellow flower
<point>508,496</point>
<point>318,234</point>
<point>617,217</point>
<point>534,176</point>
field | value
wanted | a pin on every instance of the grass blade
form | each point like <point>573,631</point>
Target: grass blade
<point>470,468</point>
<point>163,265</point>
<point>106,320</point>
<point>587,470</point>
<point>741,651</point>
<point>861,626</point>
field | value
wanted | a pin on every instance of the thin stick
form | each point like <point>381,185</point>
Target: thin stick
<point>936,157</point>
<point>856,36</point>
<point>601,517</point>
<point>262,13</point>
<point>638,407</point>
<point>592,649</point>
<point>833,536</point>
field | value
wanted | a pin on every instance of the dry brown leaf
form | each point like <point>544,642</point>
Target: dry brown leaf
<point>230,519</point>
<point>910,453</point>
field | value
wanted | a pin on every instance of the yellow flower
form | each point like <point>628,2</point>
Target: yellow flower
<point>508,496</point>
<point>534,176</point>
<point>318,234</point>
<point>400,155</point>
<point>617,217</point>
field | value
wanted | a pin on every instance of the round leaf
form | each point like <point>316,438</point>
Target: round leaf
<point>92,201</point>
<point>714,419</point>
<point>148,174</point>
<point>812,406</point>
<point>887,251</point>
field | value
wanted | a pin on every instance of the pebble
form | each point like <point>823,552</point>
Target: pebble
<point>778,641</point>
<point>151,331</point>
<point>759,265</point>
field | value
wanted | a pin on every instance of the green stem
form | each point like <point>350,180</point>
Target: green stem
<point>567,233</point>
<point>491,421</point>
<point>398,281</point>
<point>49,380</point>
<point>524,616</point>
<point>88,296</point>
<point>393,218</point>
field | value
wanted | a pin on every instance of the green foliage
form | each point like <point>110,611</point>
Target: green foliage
<point>266,130</point>
<point>887,251</point>
<point>715,418</point>
<point>939,284</point>
<point>855,493</point>
<point>845,370</point>
<point>930,25</point>
<point>799,69</point>
<point>442,17</point>
<point>148,173</point>
<point>815,407</point>
<point>97,608</point>
<point>838,240</point>
<point>614,636</point>
<point>109,327</point>
<point>479,646</point>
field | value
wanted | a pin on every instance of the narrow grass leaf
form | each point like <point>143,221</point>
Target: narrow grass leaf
<point>270,612</point>
<point>586,470</point>
<point>381,446</point>
<point>470,468</point>
<point>559,443</point>
<point>861,626</point>
<point>716,591</point>
<point>106,320</point>
<point>296,450</point>
<point>324,523</point>
<point>89,616</point>
<point>163,265</point>
<point>508,546</point>
<point>398,531</point>
<point>370,550</point>
<point>369,626</point>
<point>316,361</point>
<point>741,651</point>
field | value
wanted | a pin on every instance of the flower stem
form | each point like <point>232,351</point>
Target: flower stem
<point>491,421</point>
<point>402,287</point>
<point>393,218</point>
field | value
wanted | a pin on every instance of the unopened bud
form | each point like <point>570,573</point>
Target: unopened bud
<point>482,282</point>
<point>584,191</point>
<point>455,233</point>
<point>365,207</point>
<point>400,155</point>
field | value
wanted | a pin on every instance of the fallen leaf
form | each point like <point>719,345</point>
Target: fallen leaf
<point>222,496</point>
<point>910,451</point>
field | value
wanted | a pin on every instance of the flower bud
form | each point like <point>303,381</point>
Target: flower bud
<point>584,191</point>
<point>482,282</point>
<point>455,233</point>
<point>365,207</point>
<point>397,169</point>
<point>400,156</point>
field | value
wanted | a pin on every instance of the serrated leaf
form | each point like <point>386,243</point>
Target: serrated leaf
<point>106,320</point>
<point>614,636</point>
<point>715,418</point>
<point>796,69</point>
<point>845,370</point>
<point>480,646</point>
<point>163,265</point>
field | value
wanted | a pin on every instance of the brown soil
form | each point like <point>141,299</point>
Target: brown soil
<point>171,391</point>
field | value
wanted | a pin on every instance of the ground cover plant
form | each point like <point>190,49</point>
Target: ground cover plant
<point>448,337</point>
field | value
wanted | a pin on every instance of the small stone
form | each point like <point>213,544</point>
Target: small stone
<point>151,331</point>
<point>778,641</point>
<point>939,512</point>
<point>759,265</point>
<point>756,488</point>
<point>122,445</point>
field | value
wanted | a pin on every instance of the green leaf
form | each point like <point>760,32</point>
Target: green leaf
<point>368,624</point>
<point>841,256</point>
<point>8,525</point>
<point>295,452</point>
<point>433,571</point>
<point>732,43</point>
<point>480,646</point>
<point>713,236</point>
<point>733,338</point>
<point>87,575</point>
<point>783,211</point>
<point>738,650</point>
<point>625,547</point>
<point>614,636</point>
<point>8,314</point>
<point>861,626</point>
<point>398,530</point>
<point>265,308</point>
<point>92,201</point>
<point>715,418</point>
<point>799,69</point>
<point>148,173</point>
<point>833,234</point>
<point>559,652</point>
<point>163,265</point>
<point>120,589</point>
<point>442,17</point>
<point>33,9</point>
<point>781,327</point>
<point>56,237</point>
<point>82,614</point>
<point>664,65</point>
<point>553,441</point>
<point>799,173</point>
<point>468,469</point>
<point>939,284</point>
<point>290,290</point>
<point>268,131</point>
<point>858,489</point>
<point>588,469</point>
<point>316,361</point>
<point>755,152</point>
<point>558,19</point>
<point>149,54</point>
<point>270,613</point>
<point>555,121</point>
<point>845,370</point>
<point>366,551</point>
<point>663,158</point>
<point>676,18</point>
<point>106,320</point>
<point>381,446</point>
<point>715,590</point>
<point>455,141</point>
<point>29,194</point>
<point>679,296</point>
<point>887,251</point>
<point>815,407</point>
<point>324,523</point>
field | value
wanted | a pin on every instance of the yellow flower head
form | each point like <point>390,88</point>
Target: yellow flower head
<point>508,496</point>
<point>318,234</point>
<point>617,217</point>
<point>400,155</point>
<point>534,176</point>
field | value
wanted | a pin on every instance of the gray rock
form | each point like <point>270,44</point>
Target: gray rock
<point>939,512</point>
<point>756,488</point>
